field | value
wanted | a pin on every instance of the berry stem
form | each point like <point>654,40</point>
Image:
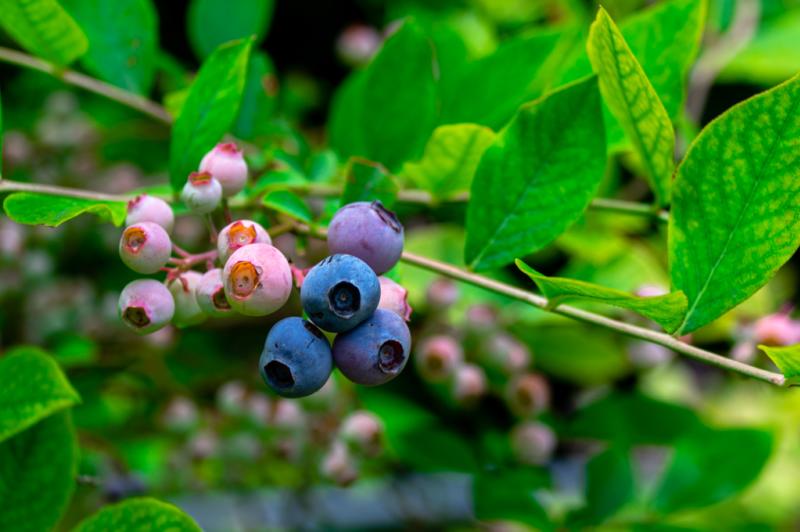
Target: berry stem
<point>180,251</point>
<point>226,211</point>
<point>191,260</point>
<point>585,316</point>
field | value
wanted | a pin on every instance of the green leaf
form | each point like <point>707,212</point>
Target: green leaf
<point>734,217</point>
<point>288,203</point>
<point>537,177</point>
<point>386,112</point>
<point>258,99</point>
<point>214,22</point>
<point>488,91</point>
<point>609,486</point>
<point>38,469</point>
<point>510,495</point>
<point>734,456</point>
<point>786,358</point>
<point>667,310</point>
<point>123,38</point>
<point>33,388</point>
<point>141,513</point>
<point>43,28</point>
<point>209,109</point>
<point>450,159</point>
<point>368,181</point>
<point>634,102</point>
<point>445,450</point>
<point>43,209</point>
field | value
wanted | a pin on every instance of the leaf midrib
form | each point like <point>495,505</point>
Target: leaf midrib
<point>756,182</point>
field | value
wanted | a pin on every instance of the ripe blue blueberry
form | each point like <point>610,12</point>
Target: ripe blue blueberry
<point>376,351</point>
<point>296,360</point>
<point>340,292</point>
<point>368,231</point>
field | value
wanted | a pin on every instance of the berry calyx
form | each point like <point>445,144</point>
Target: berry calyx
<point>145,305</point>
<point>239,234</point>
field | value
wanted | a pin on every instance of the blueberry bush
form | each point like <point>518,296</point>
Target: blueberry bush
<point>371,264</point>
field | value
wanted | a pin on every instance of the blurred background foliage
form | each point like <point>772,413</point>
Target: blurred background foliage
<point>573,427</point>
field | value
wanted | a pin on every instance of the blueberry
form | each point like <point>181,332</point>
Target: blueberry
<point>145,247</point>
<point>376,351</point>
<point>145,305</point>
<point>184,292</point>
<point>340,292</point>
<point>202,193</point>
<point>239,234</point>
<point>395,298</point>
<point>368,231</point>
<point>258,280</point>
<point>146,208</point>
<point>296,360</point>
<point>226,163</point>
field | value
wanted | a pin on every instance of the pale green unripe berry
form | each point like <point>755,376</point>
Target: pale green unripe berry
<point>184,291</point>
<point>202,193</point>
<point>145,247</point>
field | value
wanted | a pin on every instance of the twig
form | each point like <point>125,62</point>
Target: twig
<point>16,186</point>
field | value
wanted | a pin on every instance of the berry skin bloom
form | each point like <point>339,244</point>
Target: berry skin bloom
<point>368,231</point>
<point>340,292</point>
<point>376,351</point>
<point>146,305</point>
<point>257,279</point>
<point>225,162</point>
<point>184,291</point>
<point>146,208</point>
<point>145,247</point>
<point>239,234</point>
<point>211,294</point>
<point>438,357</point>
<point>201,193</point>
<point>296,360</point>
<point>395,298</point>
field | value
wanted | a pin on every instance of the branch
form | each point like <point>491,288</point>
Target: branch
<point>423,197</point>
<point>88,83</point>
<point>16,186</point>
<point>585,316</point>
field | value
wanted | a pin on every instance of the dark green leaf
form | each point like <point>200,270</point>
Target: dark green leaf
<point>537,177</point>
<point>43,28</point>
<point>450,159</point>
<point>136,514</point>
<point>33,388</point>
<point>634,102</point>
<point>209,109</point>
<point>444,450</point>
<point>735,216</point>
<point>287,203</point>
<point>258,99</point>
<point>609,486</point>
<point>667,310</point>
<point>510,495</point>
<point>368,181</point>
<point>38,468</point>
<point>710,466</point>
<point>43,209</point>
<point>387,112</point>
<point>488,91</point>
<point>214,22</point>
<point>786,358</point>
<point>123,38</point>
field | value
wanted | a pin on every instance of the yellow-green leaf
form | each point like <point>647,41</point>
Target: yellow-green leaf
<point>43,209</point>
<point>736,206</point>
<point>633,101</point>
<point>667,310</point>
<point>43,28</point>
<point>786,358</point>
<point>142,513</point>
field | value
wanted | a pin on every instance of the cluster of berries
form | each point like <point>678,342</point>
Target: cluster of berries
<point>340,295</point>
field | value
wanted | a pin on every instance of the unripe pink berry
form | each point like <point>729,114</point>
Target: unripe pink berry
<point>394,298</point>
<point>225,162</point>
<point>651,290</point>
<point>357,44</point>
<point>181,414</point>
<point>508,354</point>
<point>481,317</point>
<point>239,234</point>
<point>201,193</point>
<point>146,208</point>
<point>338,465</point>
<point>146,305</point>
<point>184,291</point>
<point>528,394</point>
<point>363,432</point>
<point>442,293</point>
<point>469,384</point>
<point>777,329</point>
<point>211,294</point>
<point>145,247</point>
<point>438,357</point>
<point>231,398</point>
<point>258,280</point>
<point>288,415</point>
<point>533,443</point>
